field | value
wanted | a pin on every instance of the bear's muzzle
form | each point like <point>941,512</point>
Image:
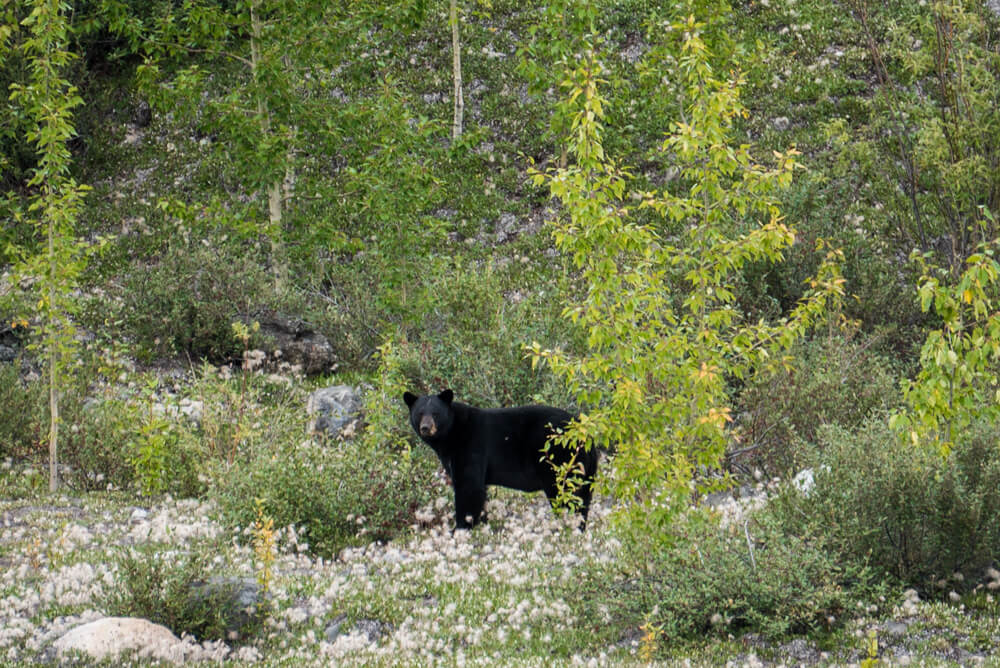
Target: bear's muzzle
<point>427,426</point>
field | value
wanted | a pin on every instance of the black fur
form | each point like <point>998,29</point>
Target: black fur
<point>495,446</point>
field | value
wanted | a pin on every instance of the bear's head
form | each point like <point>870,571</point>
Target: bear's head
<point>431,415</point>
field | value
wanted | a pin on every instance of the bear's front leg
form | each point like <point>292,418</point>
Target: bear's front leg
<point>469,507</point>
<point>470,499</point>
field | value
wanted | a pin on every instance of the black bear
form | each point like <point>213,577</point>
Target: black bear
<point>496,446</point>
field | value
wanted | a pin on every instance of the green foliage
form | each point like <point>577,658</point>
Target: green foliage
<point>957,384</point>
<point>341,494</point>
<point>751,577</point>
<point>471,332</point>
<point>663,333</point>
<point>929,151</point>
<point>552,41</point>
<point>97,446</point>
<point>126,442</point>
<point>382,403</point>
<point>155,437</point>
<point>907,512</point>
<point>162,585</point>
<point>781,412</point>
<point>48,100</point>
<point>20,412</point>
<point>183,303</point>
<point>385,194</point>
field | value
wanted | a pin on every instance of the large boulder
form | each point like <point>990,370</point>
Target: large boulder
<point>298,342</point>
<point>335,410</point>
<point>110,636</point>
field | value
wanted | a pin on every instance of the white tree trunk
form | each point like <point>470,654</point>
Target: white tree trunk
<point>53,370</point>
<point>275,233</point>
<point>456,66</point>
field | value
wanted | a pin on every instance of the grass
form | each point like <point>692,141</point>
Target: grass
<point>506,594</point>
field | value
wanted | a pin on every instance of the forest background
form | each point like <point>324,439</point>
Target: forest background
<point>744,240</point>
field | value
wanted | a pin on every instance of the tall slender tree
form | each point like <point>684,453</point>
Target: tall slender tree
<point>49,99</point>
<point>663,331</point>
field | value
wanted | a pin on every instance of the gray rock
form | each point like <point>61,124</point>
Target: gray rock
<point>333,628</point>
<point>717,499</point>
<point>372,628</point>
<point>143,115</point>
<point>297,342</point>
<point>334,409</point>
<point>781,123</point>
<point>110,636</point>
<point>993,6</point>
<point>506,227</point>
<point>7,353</point>
<point>633,52</point>
<point>896,629</point>
<point>800,651</point>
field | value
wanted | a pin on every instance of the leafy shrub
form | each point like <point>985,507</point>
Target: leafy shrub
<point>97,445</point>
<point>93,443</point>
<point>472,337</point>
<point>119,442</point>
<point>106,438</point>
<point>904,510</point>
<point>342,494</point>
<point>465,327</point>
<point>756,578</point>
<point>20,412</point>
<point>188,299</point>
<point>829,381</point>
<point>162,586</point>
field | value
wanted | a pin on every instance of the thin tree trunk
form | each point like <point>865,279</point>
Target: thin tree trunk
<point>456,66</point>
<point>53,371</point>
<point>279,266</point>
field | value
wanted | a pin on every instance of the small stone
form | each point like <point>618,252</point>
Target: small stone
<point>896,629</point>
<point>333,628</point>
<point>372,628</point>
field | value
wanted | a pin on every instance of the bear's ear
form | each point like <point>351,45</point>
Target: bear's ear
<point>446,396</point>
<point>410,398</point>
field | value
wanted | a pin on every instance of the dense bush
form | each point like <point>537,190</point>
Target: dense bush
<point>466,325</point>
<point>472,338</point>
<point>96,446</point>
<point>757,578</point>
<point>829,381</point>
<point>187,300</point>
<point>905,510</point>
<point>341,494</point>
<point>20,412</point>
<point>162,586</point>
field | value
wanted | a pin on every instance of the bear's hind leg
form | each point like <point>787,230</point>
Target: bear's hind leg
<point>583,494</point>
